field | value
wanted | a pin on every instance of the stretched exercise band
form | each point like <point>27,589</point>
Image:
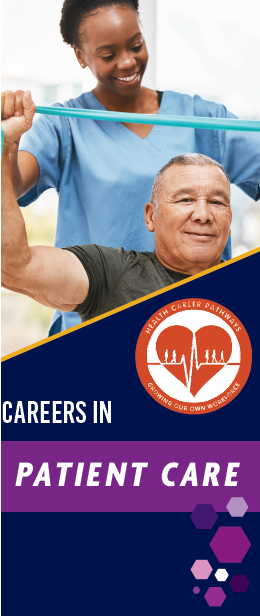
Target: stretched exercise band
<point>162,120</point>
<point>152,119</point>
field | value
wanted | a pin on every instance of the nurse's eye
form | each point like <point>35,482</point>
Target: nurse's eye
<point>112,55</point>
<point>137,47</point>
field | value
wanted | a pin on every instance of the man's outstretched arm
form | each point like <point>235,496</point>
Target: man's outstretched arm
<point>51,276</point>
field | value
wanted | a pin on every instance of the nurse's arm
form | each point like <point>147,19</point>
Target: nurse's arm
<point>18,108</point>
<point>51,276</point>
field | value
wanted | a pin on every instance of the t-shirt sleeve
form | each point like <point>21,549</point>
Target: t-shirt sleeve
<point>104,266</point>
<point>48,140</point>
<point>237,151</point>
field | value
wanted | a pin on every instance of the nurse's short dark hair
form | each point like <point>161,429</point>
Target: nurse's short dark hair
<point>184,159</point>
<point>74,11</point>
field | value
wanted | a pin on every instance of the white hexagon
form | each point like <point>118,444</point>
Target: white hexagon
<point>221,575</point>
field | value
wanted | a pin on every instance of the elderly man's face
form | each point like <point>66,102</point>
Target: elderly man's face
<point>193,222</point>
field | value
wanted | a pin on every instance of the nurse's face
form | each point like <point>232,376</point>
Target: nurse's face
<point>114,49</point>
<point>193,222</point>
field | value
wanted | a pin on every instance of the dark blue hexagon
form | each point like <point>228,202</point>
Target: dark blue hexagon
<point>204,516</point>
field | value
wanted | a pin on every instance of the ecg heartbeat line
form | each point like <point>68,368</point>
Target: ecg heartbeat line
<point>194,355</point>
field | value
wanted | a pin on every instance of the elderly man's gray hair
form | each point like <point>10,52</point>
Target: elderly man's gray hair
<point>184,159</point>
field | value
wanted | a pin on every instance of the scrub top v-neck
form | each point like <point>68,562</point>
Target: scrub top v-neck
<point>103,172</point>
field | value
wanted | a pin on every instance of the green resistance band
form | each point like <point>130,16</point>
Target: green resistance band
<point>162,120</point>
<point>139,118</point>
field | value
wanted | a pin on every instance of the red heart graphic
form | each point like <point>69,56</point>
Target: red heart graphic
<point>194,359</point>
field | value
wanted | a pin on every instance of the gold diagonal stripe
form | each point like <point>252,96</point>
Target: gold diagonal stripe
<point>134,303</point>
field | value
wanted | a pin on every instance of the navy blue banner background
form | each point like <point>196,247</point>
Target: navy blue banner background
<point>120,564</point>
<point>98,363</point>
<point>125,564</point>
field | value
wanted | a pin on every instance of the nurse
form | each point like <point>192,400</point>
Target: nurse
<point>104,171</point>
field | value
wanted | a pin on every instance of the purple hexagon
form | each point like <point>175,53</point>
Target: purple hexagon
<point>196,590</point>
<point>204,516</point>
<point>201,569</point>
<point>237,507</point>
<point>215,596</point>
<point>239,583</point>
<point>230,544</point>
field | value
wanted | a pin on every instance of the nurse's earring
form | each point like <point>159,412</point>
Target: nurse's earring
<point>80,57</point>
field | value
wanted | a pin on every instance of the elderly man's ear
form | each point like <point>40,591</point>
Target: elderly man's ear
<point>149,216</point>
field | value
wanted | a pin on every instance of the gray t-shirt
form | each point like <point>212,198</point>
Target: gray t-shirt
<point>117,277</point>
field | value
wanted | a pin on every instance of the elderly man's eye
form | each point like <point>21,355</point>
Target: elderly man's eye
<point>215,202</point>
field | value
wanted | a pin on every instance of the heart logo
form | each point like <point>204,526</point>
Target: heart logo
<point>194,358</point>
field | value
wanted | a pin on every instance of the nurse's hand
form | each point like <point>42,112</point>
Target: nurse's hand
<point>17,111</point>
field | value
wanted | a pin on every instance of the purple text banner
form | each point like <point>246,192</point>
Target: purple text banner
<point>130,476</point>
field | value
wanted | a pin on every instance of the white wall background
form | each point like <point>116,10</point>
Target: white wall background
<point>212,49</point>
<point>148,15</point>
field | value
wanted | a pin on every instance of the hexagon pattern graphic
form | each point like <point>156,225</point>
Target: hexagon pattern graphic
<point>230,544</point>
<point>221,575</point>
<point>237,507</point>
<point>204,516</point>
<point>215,596</point>
<point>239,583</point>
<point>201,569</point>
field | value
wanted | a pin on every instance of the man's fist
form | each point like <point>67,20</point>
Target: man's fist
<point>17,111</point>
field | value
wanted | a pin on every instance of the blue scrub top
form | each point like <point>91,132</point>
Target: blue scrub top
<point>104,173</point>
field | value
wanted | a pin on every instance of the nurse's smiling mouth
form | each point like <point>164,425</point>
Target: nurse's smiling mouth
<point>131,79</point>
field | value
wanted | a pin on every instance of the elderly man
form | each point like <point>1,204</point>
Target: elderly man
<point>189,213</point>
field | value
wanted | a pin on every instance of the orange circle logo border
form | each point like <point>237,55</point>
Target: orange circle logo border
<point>154,389</point>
